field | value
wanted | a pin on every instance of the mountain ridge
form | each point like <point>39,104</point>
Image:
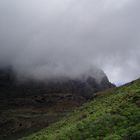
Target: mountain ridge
<point>84,86</point>
<point>113,115</point>
<point>28,106</point>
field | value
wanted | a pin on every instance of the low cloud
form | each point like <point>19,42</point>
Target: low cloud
<point>49,38</point>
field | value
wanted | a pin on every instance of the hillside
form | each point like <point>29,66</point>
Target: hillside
<point>27,107</point>
<point>113,115</point>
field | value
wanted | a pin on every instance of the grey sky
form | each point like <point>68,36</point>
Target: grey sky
<point>56,37</point>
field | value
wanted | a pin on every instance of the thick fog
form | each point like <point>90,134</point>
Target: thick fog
<point>50,38</point>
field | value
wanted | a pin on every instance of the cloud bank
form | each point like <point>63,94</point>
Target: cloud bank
<point>47,38</point>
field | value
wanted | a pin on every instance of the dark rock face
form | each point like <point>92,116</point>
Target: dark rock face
<point>6,77</point>
<point>85,87</point>
<point>33,105</point>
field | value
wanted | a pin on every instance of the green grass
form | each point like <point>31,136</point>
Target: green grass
<point>113,115</point>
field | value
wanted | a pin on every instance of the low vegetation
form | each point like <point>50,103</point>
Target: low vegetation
<point>113,115</point>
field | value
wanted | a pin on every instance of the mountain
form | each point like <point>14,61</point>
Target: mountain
<point>85,85</point>
<point>29,105</point>
<point>113,115</point>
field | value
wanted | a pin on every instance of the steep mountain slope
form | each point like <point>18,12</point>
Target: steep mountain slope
<point>29,106</point>
<point>113,115</point>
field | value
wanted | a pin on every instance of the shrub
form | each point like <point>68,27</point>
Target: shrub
<point>113,137</point>
<point>135,135</point>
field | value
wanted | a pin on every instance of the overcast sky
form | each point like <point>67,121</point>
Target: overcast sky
<point>54,37</point>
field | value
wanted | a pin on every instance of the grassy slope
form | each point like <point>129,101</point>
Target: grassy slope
<point>113,115</point>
